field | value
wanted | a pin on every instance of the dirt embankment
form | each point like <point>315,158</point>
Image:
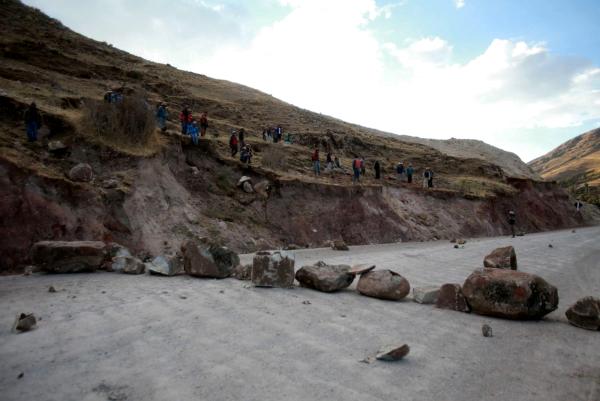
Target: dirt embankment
<point>186,191</point>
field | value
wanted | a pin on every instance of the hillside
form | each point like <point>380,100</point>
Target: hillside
<point>512,164</point>
<point>575,164</point>
<point>151,194</point>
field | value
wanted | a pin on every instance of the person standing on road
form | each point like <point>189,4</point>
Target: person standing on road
<point>33,122</point>
<point>512,219</point>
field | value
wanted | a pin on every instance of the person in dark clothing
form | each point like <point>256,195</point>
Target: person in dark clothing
<point>363,167</point>
<point>161,116</point>
<point>426,174</point>
<point>233,144</point>
<point>400,169</point>
<point>33,122</point>
<point>329,161</point>
<point>377,168</point>
<point>264,134</point>
<point>430,180</point>
<point>409,173</point>
<point>512,219</point>
<point>356,170</point>
<point>578,206</point>
<point>186,119</point>
<point>203,124</point>
<point>241,136</point>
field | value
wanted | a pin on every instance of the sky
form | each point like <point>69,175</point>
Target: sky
<point>523,75</point>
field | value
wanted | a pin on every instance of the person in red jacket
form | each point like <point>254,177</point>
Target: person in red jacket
<point>316,162</point>
<point>186,119</point>
<point>203,124</point>
<point>233,143</point>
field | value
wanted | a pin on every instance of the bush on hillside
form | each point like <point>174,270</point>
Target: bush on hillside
<point>130,121</point>
<point>274,157</point>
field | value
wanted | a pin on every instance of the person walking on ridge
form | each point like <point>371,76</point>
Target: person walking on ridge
<point>33,122</point>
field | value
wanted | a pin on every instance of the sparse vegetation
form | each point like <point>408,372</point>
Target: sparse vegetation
<point>275,158</point>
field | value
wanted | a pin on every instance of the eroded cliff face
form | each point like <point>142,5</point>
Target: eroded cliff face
<point>153,204</point>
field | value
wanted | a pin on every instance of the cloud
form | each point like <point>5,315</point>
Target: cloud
<point>459,3</point>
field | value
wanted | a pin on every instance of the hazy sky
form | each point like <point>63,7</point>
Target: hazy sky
<point>523,75</point>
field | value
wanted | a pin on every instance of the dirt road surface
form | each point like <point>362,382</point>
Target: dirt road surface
<point>107,336</point>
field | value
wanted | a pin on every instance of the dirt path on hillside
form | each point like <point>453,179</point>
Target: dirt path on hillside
<point>106,336</point>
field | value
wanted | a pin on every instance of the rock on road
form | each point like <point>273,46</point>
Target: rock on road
<point>108,336</point>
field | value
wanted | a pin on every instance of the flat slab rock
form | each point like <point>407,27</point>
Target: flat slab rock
<point>68,256</point>
<point>324,277</point>
<point>501,258</point>
<point>426,295</point>
<point>509,294</point>
<point>585,313</point>
<point>393,353</point>
<point>383,284</point>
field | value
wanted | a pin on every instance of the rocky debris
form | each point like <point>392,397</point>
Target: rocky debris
<point>453,241</point>
<point>57,148</point>
<point>263,189</point>
<point>458,246</point>
<point>29,270</point>
<point>509,294</point>
<point>426,295</point>
<point>501,258</point>
<point>68,256</point>
<point>20,376</point>
<point>242,272</point>
<point>520,234</point>
<point>82,172</point>
<point>110,183</point>
<point>461,241</point>
<point>585,313</point>
<point>383,284</point>
<point>274,269</point>
<point>486,330</point>
<point>324,277</point>
<point>24,322</point>
<point>165,265</point>
<point>291,247</point>
<point>339,245</point>
<point>203,258</point>
<point>393,353</point>
<point>361,269</point>
<point>306,302</point>
<point>128,265</point>
<point>451,297</point>
<point>550,246</point>
<point>51,289</point>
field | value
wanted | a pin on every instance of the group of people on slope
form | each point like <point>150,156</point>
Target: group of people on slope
<point>191,127</point>
<point>275,135</point>
<point>237,142</point>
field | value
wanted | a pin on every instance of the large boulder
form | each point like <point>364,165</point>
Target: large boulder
<point>501,258</point>
<point>585,313</point>
<point>203,258</point>
<point>509,294</point>
<point>274,269</point>
<point>128,265</point>
<point>324,277</point>
<point>68,256</point>
<point>383,284</point>
<point>339,245</point>
<point>165,265</point>
<point>242,272</point>
<point>451,297</point>
<point>81,172</point>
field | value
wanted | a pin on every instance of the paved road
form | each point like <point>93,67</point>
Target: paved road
<point>110,336</point>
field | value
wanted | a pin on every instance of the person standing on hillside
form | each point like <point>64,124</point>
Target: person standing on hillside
<point>242,137</point>
<point>363,167</point>
<point>329,161</point>
<point>33,122</point>
<point>578,207</point>
<point>426,178</point>
<point>512,219</point>
<point>400,170</point>
<point>356,163</point>
<point>430,180</point>
<point>186,119</point>
<point>161,116</point>
<point>193,131</point>
<point>409,173</point>
<point>233,143</point>
<point>316,162</point>
<point>377,168</point>
<point>203,124</point>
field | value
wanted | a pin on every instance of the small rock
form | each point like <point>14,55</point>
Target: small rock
<point>110,184</point>
<point>221,292</point>
<point>128,265</point>
<point>339,245</point>
<point>573,231</point>
<point>486,330</point>
<point>306,302</point>
<point>393,353</point>
<point>369,359</point>
<point>247,187</point>
<point>182,297</point>
<point>520,234</point>
<point>426,295</point>
<point>82,172</point>
<point>242,272</point>
<point>51,289</point>
<point>585,313</point>
<point>20,376</point>
<point>25,322</point>
<point>291,247</point>
<point>461,241</point>
<point>550,246</point>
<point>456,246</point>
